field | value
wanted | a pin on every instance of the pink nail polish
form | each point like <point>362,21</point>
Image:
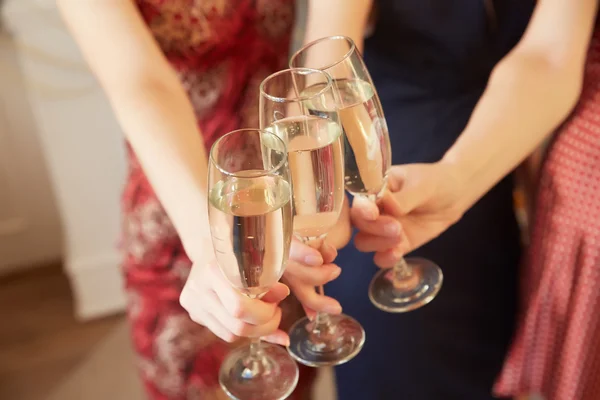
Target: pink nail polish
<point>313,260</point>
<point>335,273</point>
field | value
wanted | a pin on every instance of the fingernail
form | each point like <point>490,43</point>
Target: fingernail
<point>275,338</point>
<point>284,342</point>
<point>330,247</point>
<point>313,260</point>
<point>370,215</point>
<point>397,254</point>
<point>392,229</point>
<point>333,309</point>
<point>335,273</point>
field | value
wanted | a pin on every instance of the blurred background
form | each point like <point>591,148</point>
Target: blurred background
<point>61,171</point>
<point>62,334</point>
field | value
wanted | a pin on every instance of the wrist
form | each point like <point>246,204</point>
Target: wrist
<point>198,245</point>
<point>457,176</point>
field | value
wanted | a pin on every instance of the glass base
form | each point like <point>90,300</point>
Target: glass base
<point>411,293</point>
<point>342,341</point>
<point>271,376</point>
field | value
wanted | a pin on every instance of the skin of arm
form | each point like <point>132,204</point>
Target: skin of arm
<point>159,122</point>
<point>338,17</point>
<point>530,92</point>
<point>150,104</point>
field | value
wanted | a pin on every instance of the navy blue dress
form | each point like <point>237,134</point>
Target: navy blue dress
<point>430,61</point>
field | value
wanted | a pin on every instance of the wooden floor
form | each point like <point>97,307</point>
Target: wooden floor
<point>40,341</point>
<point>43,348</point>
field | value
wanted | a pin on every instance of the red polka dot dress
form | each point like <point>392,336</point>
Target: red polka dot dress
<point>556,350</point>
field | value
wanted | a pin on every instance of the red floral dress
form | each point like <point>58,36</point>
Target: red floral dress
<point>556,349</point>
<point>222,50</point>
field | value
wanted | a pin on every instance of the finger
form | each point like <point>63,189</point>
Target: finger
<point>396,178</point>
<point>239,327</point>
<point>304,254</point>
<point>384,226</point>
<point>395,204</point>
<point>278,337</point>
<point>329,252</point>
<point>365,208</point>
<point>388,258</point>
<point>310,314</point>
<point>253,311</point>
<point>277,294</point>
<point>312,276</point>
<point>369,243</point>
<point>309,298</point>
<point>405,195</point>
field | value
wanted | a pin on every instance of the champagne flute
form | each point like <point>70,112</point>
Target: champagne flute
<point>316,158</point>
<point>250,212</point>
<point>413,282</point>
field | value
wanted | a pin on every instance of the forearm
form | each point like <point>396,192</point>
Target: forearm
<point>151,106</point>
<point>161,127</point>
<point>337,17</point>
<point>518,110</point>
<point>530,92</point>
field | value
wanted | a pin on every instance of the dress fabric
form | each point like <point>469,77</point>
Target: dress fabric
<point>557,343</point>
<point>221,50</point>
<point>430,61</point>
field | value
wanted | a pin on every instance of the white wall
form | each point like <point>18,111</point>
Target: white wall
<point>83,147</point>
<point>30,232</point>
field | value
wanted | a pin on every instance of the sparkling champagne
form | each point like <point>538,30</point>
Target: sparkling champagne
<point>316,160</point>
<point>251,227</point>
<point>365,133</point>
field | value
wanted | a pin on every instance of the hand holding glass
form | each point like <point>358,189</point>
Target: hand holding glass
<point>413,282</point>
<point>316,157</point>
<point>250,214</point>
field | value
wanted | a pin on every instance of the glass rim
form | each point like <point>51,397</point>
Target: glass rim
<point>258,173</point>
<point>305,71</point>
<point>323,39</point>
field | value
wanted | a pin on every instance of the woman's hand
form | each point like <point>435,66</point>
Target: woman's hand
<point>422,202</point>
<point>212,302</point>
<point>308,269</point>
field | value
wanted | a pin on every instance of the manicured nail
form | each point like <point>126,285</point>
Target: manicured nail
<point>285,342</point>
<point>335,273</point>
<point>397,254</point>
<point>330,248</point>
<point>370,215</point>
<point>278,339</point>
<point>392,229</point>
<point>333,309</point>
<point>367,212</point>
<point>313,260</point>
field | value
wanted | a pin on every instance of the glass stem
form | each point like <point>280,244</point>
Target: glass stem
<point>255,348</point>
<point>322,320</point>
<point>254,364</point>
<point>402,270</point>
<point>402,276</point>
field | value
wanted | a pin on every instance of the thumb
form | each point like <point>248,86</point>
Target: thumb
<point>403,195</point>
<point>278,292</point>
<point>364,208</point>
